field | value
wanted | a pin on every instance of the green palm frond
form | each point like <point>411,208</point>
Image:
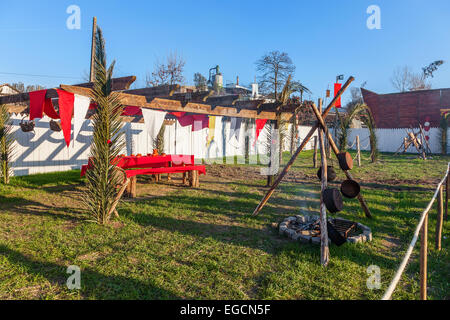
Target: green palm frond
<point>107,141</point>
<point>6,144</point>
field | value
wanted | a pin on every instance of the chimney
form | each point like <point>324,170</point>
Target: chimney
<point>254,90</point>
<point>237,80</point>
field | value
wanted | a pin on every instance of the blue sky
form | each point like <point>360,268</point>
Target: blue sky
<point>323,38</point>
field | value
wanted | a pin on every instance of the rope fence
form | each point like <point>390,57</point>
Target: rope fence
<point>422,227</point>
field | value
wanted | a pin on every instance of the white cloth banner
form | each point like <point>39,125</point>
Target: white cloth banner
<point>153,121</point>
<point>235,128</point>
<point>80,108</point>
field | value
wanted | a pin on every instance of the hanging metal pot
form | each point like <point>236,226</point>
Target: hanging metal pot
<point>27,126</point>
<point>333,200</point>
<point>331,174</point>
<point>345,161</point>
<point>350,188</point>
<point>335,236</point>
<point>55,126</point>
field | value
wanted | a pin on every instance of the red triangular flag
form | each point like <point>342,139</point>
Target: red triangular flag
<point>337,87</point>
<point>260,123</point>
<point>66,100</point>
<point>50,110</point>
<point>37,99</point>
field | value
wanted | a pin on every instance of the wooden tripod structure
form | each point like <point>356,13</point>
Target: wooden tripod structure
<point>320,123</point>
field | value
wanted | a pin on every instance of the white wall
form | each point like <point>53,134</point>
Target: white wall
<point>390,140</point>
<point>45,150</point>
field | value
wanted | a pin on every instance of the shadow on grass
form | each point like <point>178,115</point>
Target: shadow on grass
<point>93,284</point>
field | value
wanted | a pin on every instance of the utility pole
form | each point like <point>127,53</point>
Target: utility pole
<point>94,31</point>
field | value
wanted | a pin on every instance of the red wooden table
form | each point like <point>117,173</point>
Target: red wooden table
<point>155,165</point>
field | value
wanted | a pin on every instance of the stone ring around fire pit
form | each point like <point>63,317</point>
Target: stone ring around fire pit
<point>306,229</point>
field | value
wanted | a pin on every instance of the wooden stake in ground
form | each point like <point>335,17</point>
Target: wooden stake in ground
<point>423,258</point>
<point>447,185</point>
<point>336,152</point>
<point>439,218</point>
<point>324,251</point>
<point>358,152</point>
<point>315,152</point>
<point>300,148</point>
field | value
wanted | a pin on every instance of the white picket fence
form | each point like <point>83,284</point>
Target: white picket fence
<point>390,140</point>
<point>45,150</point>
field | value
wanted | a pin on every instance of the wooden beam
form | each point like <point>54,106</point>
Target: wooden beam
<point>174,105</point>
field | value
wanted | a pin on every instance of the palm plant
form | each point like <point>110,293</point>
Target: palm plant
<point>107,141</point>
<point>6,144</point>
<point>158,143</point>
<point>366,116</point>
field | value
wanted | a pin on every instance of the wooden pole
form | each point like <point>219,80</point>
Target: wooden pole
<point>324,250</point>
<point>447,185</point>
<point>336,152</point>
<point>358,152</point>
<point>94,31</point>
<point>315,152</point>
<point>300,148</point>
<point>439,218</point>
<point>423,258</point>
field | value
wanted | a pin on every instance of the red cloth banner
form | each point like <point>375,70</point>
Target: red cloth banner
<point>66,100</point>
<point>49,110</point>
<point>131,111</point>
<point>337,87</point>
<point>197,121</point>
<point>37,99</point>
<point>260,123</point>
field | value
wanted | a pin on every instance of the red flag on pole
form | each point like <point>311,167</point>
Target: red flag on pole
<point>337,87</point>
<point>66,100</point>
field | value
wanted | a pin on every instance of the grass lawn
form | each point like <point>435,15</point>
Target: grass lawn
<point>174,242</point>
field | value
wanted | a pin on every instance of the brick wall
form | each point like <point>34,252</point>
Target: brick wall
<point>402,110</point>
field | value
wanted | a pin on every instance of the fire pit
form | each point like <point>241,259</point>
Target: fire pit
<point>306,229</point>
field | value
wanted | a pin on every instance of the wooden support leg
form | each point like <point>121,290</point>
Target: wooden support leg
<point>184,178</point>
<point>299,149</point>
<point>423,259</point>
<point>133,181</point>
<point>324,250</point>
<point>336,152</point>
<point>439,218</point>
<point>117,199</point>
<point>191,178</point>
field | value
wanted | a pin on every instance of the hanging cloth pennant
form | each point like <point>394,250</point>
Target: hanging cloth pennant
<point>153,121</point>
<point>337,87</point>
<point>66,101</point>
<point>235,128</point>
<point>260,123</point>
<point>212,129</point>
<point>49,110</point>
<point>81,106</point>
<point>200,121</point>
<point>37,99</point>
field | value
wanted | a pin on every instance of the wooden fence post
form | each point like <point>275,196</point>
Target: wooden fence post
<point>447,185</point>
<point>358,152</point>
<point>315,152</point>
<point>439,218</point>
<point>423,258</point>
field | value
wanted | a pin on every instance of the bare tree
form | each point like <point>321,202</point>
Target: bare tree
<point>169,72</point>
<point>401,78</point>
<point>274,69</point>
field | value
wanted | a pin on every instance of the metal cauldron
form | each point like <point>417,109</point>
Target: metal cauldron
<point>331,174</point>
<point>350,188</point>
<point>333,200</point>
<point>345,161</point>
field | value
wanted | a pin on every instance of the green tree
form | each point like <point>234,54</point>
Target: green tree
<point>6,144</point>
